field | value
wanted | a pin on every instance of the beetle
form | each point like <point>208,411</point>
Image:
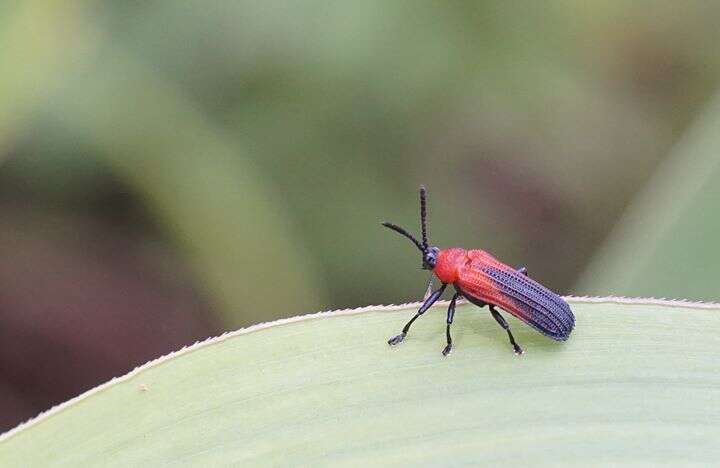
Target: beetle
<point>485,281</point>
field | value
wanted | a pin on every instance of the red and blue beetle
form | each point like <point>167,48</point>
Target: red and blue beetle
<point>484,281</point>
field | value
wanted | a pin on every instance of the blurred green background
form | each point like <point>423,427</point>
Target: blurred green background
<point>170,170</point>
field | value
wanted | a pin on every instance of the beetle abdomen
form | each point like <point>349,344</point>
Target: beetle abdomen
<point>533,303</point>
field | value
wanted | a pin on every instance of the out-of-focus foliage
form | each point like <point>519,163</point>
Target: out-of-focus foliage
<point>667,242</point>
<point>237,157</point>
<point>39,40</point>
<point>198,183</point>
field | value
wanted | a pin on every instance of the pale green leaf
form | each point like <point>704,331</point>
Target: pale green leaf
<point>638,382</point>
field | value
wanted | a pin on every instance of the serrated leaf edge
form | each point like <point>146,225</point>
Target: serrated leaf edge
<point>685,303</point>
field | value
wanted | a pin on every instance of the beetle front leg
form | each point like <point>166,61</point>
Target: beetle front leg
<point>450,316</point>
<point>428,289</point>
<point>426,305</point>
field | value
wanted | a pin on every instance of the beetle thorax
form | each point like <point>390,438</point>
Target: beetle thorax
<point>448,263</point>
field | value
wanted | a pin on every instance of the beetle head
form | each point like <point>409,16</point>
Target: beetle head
<point>430,257</point>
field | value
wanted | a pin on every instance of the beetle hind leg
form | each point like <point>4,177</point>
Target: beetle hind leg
<point>503,323</point>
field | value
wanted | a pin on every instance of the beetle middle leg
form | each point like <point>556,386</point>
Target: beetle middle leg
<point>501,320</point>
<point>450,316</point>
<point>426,305</point>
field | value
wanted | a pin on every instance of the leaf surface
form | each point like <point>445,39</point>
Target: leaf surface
<point>638,382</point>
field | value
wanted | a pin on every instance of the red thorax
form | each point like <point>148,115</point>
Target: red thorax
<point>448,263</point>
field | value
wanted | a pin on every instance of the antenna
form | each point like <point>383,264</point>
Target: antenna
<point>402,231</point>
<point>423,217</point>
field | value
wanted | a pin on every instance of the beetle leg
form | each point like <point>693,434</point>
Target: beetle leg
<point>428,289</point>
<point>450,316</point>
<point>501,320</point>
<point>426,305</point>
<point>523,270</point>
